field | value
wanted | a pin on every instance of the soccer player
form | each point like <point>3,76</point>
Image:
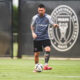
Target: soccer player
<point>39,28</point>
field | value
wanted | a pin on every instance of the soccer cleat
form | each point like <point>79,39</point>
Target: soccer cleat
<point>47,68</point>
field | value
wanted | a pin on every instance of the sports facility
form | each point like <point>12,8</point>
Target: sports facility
<point>39,39</point>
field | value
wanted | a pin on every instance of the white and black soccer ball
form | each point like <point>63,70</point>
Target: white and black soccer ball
<point>39,67</point>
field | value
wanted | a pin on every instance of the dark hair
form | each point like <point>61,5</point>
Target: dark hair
<point>41,6</point>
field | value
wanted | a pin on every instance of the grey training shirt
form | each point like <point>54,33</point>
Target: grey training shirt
<point>40,25</point>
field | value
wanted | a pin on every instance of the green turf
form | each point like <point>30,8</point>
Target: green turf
<point>22,69</point>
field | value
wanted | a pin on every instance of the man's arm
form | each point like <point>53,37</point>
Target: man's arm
<point>55,25</point>
<point>32,27</point>
<point>33,33</point>
<point>51,22</point>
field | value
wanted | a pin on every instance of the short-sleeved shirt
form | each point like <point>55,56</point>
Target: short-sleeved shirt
<point>40,25</point>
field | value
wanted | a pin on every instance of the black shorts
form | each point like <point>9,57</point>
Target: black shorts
<point>39,45</point>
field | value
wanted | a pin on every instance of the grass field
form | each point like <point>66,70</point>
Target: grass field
<point>22,69</point>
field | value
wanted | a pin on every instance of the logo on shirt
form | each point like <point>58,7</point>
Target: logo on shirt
<point>65,36</point>
<point>42,25</point>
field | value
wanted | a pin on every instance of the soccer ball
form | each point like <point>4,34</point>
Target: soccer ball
<point>39,67</point>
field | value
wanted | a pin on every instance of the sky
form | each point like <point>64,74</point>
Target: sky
<point>15,2</point>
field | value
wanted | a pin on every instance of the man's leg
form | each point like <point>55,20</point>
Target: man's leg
<point>36,57</point>
<point>47,56</point>
<point>37,49</point>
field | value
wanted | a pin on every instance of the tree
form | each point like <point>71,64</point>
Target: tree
<point>15,19</point>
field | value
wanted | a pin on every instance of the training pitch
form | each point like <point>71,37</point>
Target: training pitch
<point>22,69</point>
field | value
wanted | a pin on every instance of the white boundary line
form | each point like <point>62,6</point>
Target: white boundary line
<point>32,57</point>
<point>68,76</point>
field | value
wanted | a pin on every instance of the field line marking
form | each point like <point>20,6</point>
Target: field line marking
<point>68,76</point>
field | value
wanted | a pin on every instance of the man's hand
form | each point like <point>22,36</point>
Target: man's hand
<point>56,25</point>
<point>34,35</point>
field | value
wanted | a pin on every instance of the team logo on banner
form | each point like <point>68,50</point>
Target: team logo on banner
<point>65,36</point>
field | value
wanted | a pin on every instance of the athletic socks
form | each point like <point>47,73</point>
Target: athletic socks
<point>47,56</point>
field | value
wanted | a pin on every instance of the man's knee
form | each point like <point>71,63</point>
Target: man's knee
<point>36,54</point>
<point>47,49</point>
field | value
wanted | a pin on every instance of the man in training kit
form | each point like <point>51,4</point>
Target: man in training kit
<point>39,28</point>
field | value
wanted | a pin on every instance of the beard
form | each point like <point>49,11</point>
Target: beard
<point>41,14</point>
